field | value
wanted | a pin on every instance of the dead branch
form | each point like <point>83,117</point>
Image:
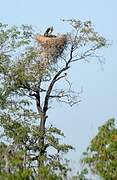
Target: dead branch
<point>55,79</point>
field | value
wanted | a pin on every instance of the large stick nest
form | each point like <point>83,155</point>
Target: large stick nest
<point>51,46</point>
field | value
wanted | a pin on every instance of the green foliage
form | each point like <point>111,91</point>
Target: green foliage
<point>101,155</point>
<point>29,150</point>
<point>81,175</point>
<point>21,154</point>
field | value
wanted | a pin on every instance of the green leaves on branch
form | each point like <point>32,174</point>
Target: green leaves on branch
<point>101,155</point>
<point>28,85</point>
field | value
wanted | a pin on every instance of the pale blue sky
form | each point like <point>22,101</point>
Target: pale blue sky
<point>99,98</point>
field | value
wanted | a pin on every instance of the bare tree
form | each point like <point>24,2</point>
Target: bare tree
<point>61,51</point>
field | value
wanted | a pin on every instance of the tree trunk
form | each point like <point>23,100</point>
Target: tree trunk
<point>7,166</point>
<point>42,140</point>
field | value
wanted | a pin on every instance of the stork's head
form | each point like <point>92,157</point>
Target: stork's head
<point>51,29</point>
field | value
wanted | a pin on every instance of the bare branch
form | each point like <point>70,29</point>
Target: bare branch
<point>56,78</point>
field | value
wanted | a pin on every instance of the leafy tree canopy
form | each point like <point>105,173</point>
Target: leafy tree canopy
<point>30,81</point>
<point>101,155</point>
